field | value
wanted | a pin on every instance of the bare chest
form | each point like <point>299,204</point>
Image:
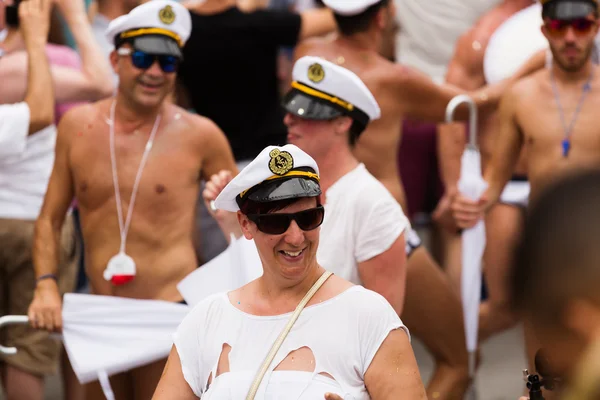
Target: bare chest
<point>550,127</point>
<point>171,170</point>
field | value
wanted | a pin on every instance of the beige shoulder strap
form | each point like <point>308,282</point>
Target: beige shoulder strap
<point>275,348</point>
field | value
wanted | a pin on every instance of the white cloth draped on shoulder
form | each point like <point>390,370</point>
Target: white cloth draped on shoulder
<point>238,265</point>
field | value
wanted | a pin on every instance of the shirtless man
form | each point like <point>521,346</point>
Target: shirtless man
<point>530,112</point>
<point>505,218</point>
<point>400,92</point>
<point>91,138</point>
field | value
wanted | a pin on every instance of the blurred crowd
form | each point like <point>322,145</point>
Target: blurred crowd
<point>69,151</point>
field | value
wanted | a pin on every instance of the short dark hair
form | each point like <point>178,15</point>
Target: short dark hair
<point>355,130</point>
<point>350,25</point>
<point>557,256</point>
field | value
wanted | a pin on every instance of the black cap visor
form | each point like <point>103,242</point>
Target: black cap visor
<point>283,189</point>
<point>157,44</point>
<point>305,106</point>
<point>568,9</point>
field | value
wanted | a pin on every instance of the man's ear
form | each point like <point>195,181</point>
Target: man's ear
<point>343,125</point>
<point>114,61</point>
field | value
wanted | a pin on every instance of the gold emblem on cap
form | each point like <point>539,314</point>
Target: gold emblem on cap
<point>281,162</point>
<point>316,73</point>
<point>167,15</point>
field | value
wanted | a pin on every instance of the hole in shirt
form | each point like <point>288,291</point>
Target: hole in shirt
<point>301,359</point>
<point>223,365</point>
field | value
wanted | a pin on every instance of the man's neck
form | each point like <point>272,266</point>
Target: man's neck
<point>131,116</point>
<point>112,9</point>
<point>573,77</point>
<point>369,40</point>
<point>334,164</point>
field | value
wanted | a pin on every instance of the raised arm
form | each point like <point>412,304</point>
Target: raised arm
<point>34,16</point>
<point>45,309</point>
<point>316,22</point>
<point>422,99</point>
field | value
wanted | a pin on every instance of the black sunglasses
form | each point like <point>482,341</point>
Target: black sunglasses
<point>278,223</point>
<point>143,60</point>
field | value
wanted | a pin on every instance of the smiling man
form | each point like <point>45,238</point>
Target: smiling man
<point>135,146</point>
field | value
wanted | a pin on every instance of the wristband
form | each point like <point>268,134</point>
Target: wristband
<point>46,276</point>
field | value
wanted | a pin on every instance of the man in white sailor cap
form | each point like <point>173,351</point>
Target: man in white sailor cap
<point>404,93</point>
<point>134,162</point>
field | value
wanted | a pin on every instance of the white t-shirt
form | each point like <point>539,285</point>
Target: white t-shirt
<point>362,220</point>
<point>343,333</point>
<point>24,169</point>
<point>14,127</point>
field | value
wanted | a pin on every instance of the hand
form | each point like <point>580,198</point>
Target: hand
<point>332,396</point>
<point>34,21</point>
<point>468,212</point>
<point>442,215</point>
<point>523,398</point>
<point>213,188</point>
<point>45,311</point>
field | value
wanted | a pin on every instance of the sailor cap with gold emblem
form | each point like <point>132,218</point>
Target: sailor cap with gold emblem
<point>568,9</point>
<point>277,173</point>
<point>156,27</point>
<point>322,90</point>
<point>349,7</point>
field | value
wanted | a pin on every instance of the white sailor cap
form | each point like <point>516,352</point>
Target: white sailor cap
<point>157,27</point>
<point>322,90</point>
<point>277,173</point>
<point>349,7</point>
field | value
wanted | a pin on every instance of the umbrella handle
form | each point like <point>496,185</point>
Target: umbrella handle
<point>12,320</point>
<point>453,104</point>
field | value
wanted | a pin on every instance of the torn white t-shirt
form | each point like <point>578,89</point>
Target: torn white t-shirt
<point>343,333</point>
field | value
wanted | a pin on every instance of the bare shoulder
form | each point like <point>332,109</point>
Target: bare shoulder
<point>200,130</point>
<point>81,116</point>
<point>526,89</point>
<point>194,122</point>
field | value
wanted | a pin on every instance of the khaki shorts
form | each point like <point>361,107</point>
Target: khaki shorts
<point>37,353</point>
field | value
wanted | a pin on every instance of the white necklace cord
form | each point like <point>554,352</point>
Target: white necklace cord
<point>124,227</point>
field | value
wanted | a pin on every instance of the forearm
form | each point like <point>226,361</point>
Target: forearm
<point>46,244</point>
<point>94,64</point>
<point>450,146</point>
<point>40,90</point>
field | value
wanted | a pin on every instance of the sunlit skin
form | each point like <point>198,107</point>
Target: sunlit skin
<point>286,269</point>
<point>144,89</point>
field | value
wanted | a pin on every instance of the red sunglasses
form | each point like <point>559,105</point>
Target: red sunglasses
<point>581,26</point>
